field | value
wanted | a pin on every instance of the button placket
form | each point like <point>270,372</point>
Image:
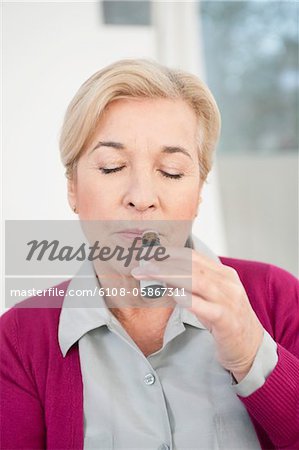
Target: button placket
<point>152,378</point>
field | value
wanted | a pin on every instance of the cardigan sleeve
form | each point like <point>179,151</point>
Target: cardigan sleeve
<point>22,417</point>
<point>275,405</point>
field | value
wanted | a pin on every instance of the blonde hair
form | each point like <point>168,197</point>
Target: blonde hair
<point>137,78</point>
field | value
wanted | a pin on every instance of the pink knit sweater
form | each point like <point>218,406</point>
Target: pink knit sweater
<point>42,392</point>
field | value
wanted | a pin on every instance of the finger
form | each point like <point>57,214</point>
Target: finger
<point>205,286</point>
<point>210,314</point>
<point>187,256</point>
<point>207,313</point>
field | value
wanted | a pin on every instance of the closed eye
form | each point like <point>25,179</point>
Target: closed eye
<point>115,169</point>
<point>176,176</point>
<point>164,174</point>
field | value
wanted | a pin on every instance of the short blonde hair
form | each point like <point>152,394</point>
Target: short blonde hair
<point>137,78</point>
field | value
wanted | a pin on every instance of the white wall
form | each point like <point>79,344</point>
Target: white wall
<point>260,202</point>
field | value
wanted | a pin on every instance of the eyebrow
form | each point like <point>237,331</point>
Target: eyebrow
<point>165,148</point>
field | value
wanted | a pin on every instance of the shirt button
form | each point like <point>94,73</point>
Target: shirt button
<point>149,378</point>
<point>164,447</point>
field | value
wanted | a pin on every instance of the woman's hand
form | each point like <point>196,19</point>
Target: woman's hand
<point>219,300</point>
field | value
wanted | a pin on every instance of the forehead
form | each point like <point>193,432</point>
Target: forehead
<point>152,119</point>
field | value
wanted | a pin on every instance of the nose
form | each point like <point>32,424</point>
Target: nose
<point>141,195</point>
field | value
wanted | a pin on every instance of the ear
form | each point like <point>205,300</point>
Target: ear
<point>72,192</point>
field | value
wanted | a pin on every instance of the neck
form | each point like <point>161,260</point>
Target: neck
<point>135,317</point>
<point>146,326</point>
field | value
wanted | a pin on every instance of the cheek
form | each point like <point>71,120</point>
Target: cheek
<point>184,203</point>
<point>94,202</point>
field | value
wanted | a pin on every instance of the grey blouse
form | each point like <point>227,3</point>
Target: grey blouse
<point>177,398</point>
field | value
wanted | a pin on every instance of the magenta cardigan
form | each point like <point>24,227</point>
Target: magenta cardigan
<point>42,392</point>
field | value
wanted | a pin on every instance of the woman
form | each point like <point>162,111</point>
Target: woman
<point>223,372</point>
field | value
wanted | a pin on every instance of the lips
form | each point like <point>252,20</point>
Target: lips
<point>133,231</point>
<point>137,233</point>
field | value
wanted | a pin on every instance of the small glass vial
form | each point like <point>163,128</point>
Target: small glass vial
<point>151,288</point>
